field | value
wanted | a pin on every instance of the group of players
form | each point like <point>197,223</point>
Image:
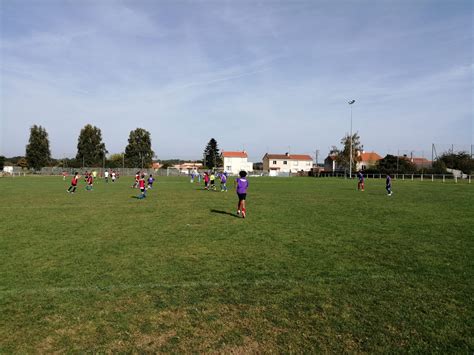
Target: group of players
<point>361,183</point>
<point>140,182</point>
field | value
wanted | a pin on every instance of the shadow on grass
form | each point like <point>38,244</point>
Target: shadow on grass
<point>138,197</point>
<point>224,212</point>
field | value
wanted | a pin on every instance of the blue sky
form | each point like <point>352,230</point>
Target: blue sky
<point>265,76</point>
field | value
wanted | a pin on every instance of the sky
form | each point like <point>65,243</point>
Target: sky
<point>261,76</point>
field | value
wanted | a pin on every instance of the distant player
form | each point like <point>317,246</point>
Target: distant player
<point>151,180</point>
<point>141,184</point>
<point>213,181</point>
<point>223,178</point>
<point>360,184</point>
<point>206,181</point>
<point>75,179</point>
<point>241,189</point>
<point>90,182</point>
<point>106,176</point>
<point>388,185</point>
<point>137,179</point>
<point>113,175</point>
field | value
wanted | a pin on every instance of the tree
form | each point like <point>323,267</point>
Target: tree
<point>90,148</point>
<point>343,156</point>
<point>212,157</point>
<point>392,165</point>
<point>459,161</point>
<point>2,162</point>
<point>115,161</point>
<point>138,152</point>
<point>22,163</point>
<point>37,150</point>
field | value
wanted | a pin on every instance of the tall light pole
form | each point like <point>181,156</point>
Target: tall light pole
<point>350,150</point>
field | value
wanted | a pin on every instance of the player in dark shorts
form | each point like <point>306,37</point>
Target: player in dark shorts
<point>241,189</point>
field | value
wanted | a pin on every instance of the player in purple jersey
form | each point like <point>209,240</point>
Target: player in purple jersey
<point>223,182</point>
<point>388,185</point>
<point>360,184</point>
<point>241,189</point>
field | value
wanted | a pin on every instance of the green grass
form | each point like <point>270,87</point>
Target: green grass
<point>316,267</point>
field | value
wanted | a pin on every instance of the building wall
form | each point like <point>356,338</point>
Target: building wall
<point>235,165</point>
<point>290,166</point>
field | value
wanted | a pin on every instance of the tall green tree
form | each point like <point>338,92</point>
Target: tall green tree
<point>90,148</point>
<point>138,152</point>
<point>212,158</point>
<point>392,164</point>
<point>459,161</point>
<point>343,155</point>
<point>38,153</point>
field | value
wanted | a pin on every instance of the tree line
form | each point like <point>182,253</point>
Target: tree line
<point>91,150</point>
<point>402,165</point>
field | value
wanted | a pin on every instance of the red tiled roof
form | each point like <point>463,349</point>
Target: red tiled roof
<point>372,156</point>
<point>289,157</point>
<point>234,154</point>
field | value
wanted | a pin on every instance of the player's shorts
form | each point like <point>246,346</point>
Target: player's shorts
<point>242,197</point>
<point>142,190</point>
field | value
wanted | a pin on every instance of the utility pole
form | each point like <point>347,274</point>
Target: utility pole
<point>316,155</point>
<point>350,150</point>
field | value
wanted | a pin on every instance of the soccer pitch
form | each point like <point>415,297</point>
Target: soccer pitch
<point>315,267</point>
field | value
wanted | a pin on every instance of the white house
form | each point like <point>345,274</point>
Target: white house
<point>234,162</point>
<point>188,168</point>
<point>287,163</point>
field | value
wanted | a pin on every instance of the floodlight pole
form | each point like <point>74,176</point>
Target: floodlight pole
<point>350,149</point>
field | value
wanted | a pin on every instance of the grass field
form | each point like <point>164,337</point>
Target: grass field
<point>316,266</point>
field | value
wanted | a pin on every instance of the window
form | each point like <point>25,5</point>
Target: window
<point>285,162</point>
<point>274,162</point>
<point>308,163</point>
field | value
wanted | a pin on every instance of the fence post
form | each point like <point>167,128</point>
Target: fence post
<point>444,178</point>
<point>403,176</point>
<point>456,179</point>
<point>411,177</point>
<point>432,177</point>
<point>469,178</point>
<point>421,177</point>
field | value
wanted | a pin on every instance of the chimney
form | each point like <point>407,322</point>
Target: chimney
<point>287,154</point>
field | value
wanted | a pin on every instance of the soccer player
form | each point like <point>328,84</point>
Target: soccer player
<point>241,189</point>
<point>206,181</point>
<point>360,184</point>
<point>113,175</point>
<point>75,179</point>
<point>151,180</point>
<point>213,181</point>
<point>90,182</point>
<point>388,185</point>
<point>223,182</point>
<point>141,184</point>
<point>137,179</point>
<point>106,176</point>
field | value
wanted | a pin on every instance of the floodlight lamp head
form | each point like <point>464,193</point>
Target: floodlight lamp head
<point>351,102</point>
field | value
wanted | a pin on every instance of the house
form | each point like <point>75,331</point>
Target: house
<point>421,163</point>
<point>366,160</point>
<point>188,168</point>
<point>156,166</point>
<point>234,162</point>
<point>287,163</point>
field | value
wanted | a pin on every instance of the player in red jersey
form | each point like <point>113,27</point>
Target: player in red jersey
<point>74,181</point>
<point>141,184</point>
